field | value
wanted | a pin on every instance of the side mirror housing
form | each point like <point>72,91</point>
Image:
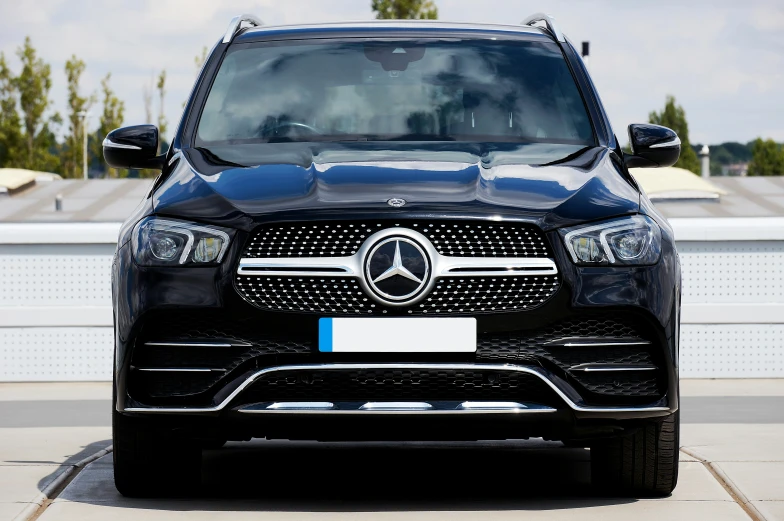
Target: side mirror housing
<point>652,146</point>
<point>133,147</point>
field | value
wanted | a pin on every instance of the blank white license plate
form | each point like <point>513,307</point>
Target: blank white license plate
<point>397,335</point>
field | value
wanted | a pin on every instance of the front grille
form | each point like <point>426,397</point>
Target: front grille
<point>343,296</point>
<point>242,333</point>
<point>173,385</point>
<point>643,384</point>
<point>299,346</point>
<point>357,385</point>
<point>344,238</point>
<point>538,346</point>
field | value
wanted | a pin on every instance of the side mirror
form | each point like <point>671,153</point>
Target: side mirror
<point>133,147</point>
<point>652,146</point>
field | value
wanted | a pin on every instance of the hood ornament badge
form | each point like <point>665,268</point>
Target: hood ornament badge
<point>396,202</point>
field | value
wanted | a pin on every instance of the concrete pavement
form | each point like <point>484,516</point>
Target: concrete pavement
<point>37,445</point>
<point>740,434</point>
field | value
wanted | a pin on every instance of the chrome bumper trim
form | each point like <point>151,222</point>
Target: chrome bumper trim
<point>595,342</point>
<point>605,344</point>
<point>504,406</point>
<point>351,266</point>
<point>535,371</point>
<point>395,408</point>
<point>195,344</point>
<point>294,406</point>
<point>179,370</point>
<point>611,368</point>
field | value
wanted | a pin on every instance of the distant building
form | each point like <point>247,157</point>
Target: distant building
<point>735,169</point>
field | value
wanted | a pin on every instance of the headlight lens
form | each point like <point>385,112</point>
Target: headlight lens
<point>631,241</point>
<point>164,242</point>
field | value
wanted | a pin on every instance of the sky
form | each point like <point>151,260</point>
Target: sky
<point>723,60</point>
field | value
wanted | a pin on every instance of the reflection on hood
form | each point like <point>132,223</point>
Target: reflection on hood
<point>544,182</point>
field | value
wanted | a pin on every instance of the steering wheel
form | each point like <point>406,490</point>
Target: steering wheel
<point>298,125</point>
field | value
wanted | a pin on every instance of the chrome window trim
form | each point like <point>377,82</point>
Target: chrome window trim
<point>535,371</point>
<point>108,143</point>
<point>353,266</point>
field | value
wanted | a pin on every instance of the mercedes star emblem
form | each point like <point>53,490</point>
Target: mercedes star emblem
<point>397,270</point>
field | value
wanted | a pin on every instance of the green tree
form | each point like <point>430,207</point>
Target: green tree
<point>160,86</point>
<point>199,59</point>
<point>405,9</point>
<point>71,156</point>
<point>11,144</point>
<point>767,158</point>
<point>33,85</point>
<point>111,118</point>
<point>162,125</point>
<point>674,117</point>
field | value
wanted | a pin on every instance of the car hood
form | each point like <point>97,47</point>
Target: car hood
<point>553,185</point>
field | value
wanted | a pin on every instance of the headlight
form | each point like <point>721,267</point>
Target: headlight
<point>631,241</point>
<point>163,242</point>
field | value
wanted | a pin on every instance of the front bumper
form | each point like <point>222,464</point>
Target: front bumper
<point>165,316</point>
<point>563,396</point>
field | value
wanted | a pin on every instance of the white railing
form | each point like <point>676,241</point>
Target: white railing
<point>56,317</point>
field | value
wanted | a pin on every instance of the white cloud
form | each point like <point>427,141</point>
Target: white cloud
<point>722,59</point>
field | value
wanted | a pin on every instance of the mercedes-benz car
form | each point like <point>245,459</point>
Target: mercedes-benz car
<point>395,231</point>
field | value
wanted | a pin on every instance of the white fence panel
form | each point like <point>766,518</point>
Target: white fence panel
<point>55,299</point>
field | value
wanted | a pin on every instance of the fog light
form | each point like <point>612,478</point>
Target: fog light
<point>207,249</point>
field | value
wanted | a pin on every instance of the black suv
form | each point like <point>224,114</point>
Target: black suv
<point>395,231</point>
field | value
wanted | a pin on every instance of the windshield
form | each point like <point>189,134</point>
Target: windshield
<point>404,90</point>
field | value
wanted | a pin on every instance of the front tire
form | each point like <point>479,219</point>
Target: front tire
<point>151,461</point>
<point>643,463</point>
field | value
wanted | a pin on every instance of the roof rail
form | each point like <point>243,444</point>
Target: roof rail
<point>236,24</point>
<point>549,22</point>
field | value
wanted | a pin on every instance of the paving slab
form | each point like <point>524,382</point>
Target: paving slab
<point>51,445</point>
<point>31,458</point>
<point>732,387</point>
<point>21,391</point>
<point>398,481</point>
<point>735,442</point>
<point>759,481</point>
<point>493,496</point>
<point>695,483</point>
<point>11,510</point>
<point>772,510</point>
<point>555,510</point>
<point>24,482</point>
